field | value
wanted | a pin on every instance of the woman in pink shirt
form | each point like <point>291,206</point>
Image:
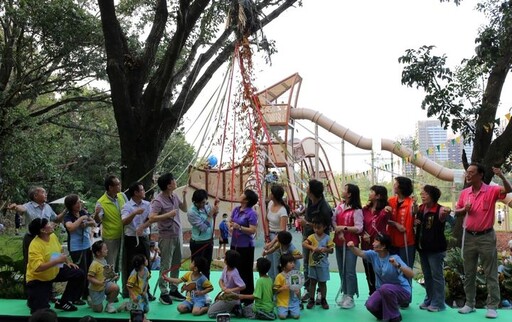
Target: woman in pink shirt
<point>348,223</point>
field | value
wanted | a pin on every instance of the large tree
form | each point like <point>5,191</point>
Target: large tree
<point>467,98</point>
<point>155,80</point>
<point>46,67</point>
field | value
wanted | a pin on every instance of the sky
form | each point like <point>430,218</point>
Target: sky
<point>347,54</point>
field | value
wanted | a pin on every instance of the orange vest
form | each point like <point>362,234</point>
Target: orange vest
<point>403,216</point>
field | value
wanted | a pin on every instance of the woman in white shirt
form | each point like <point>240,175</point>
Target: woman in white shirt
<point>277,218</point>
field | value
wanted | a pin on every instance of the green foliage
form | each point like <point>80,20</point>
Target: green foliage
<point>11,268</point>
<point>454,274</point>
<point>176,157</point>
<point>71,154</point>
<point>467,99</point>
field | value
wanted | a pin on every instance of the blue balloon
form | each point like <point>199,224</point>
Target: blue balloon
<point>212,161</point>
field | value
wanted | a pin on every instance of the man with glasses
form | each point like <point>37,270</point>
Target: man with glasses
<point>477,204</point>
<point>109,207</point>
<point>135,216</point>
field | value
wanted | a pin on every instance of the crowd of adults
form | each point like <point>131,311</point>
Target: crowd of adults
<point>386,233</point>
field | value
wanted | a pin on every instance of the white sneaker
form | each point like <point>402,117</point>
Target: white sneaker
<point>466,309</point>
<point>491,314</point>
<point>207,299</point>
<point>348,303</point>
<point>110,308</point>
<point>342,300</point>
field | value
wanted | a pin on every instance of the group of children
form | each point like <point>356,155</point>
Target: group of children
<point>270,295</point>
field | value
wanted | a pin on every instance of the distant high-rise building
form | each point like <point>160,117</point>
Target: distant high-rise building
<point>431,137</point>
<point>408,169</point>
<point>454,149</point>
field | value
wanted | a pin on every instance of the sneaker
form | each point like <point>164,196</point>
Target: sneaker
<point>65,306</point>
<point>431,308</point>
<point>423,306</point>
<point>343,298</point>
<point>125,306</point>
<point>237,311</point>
<point>248,312</point>
<point>324,304</point>
<point>177,296</point>
<point>165,299</point>
<point>348,303</point>
<point>207,299</point>
<point>151,298</point>
<point>311,304</point>
<point>466,309</point>
<point>305,297</point>
<point>110,308</point>
<point>79,302</point>
<point>491,314</point>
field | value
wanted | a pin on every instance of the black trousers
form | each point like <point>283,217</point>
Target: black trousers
<point>202,249</point>
<point>83,258</point>
<point>131,249</point>
<point>245,268</point>
<point>39,292</point>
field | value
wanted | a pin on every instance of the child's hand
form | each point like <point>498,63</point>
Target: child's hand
<point>297,292</point>
<point>116,277</point>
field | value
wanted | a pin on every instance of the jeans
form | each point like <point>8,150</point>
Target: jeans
<point>432,265</point>
<point>347,270</point>
<point>274,260</point>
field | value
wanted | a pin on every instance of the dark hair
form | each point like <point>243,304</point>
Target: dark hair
<point>109,181</point>
<point>316,188</point>
<point>231,258</point>
<point>384,240</point>
<point>263,265</point>
<point>278,193</point>
<point>318,221</point>
<point>479,167</point>
<point>224,215</point>
<point>433,192</point>
<point>134,187</point>
<point>43,315</point>
<point>70,201</point>
<point>164,180</point>
<point>355,196</point>
<point>382,201</point>
<point>285,259</point>
<point>97,246</point>
<point>35,226</point>
<point>201,263</point>
<point>152,244</point>
<point>138,261</point>
<point>199,195</point>
<point>405,186</point>
<point>251,196</point>
<point>284,237</point>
